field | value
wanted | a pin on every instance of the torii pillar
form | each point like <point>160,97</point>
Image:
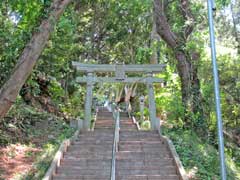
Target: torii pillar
<point>88,102</point>
<point>152,105</point>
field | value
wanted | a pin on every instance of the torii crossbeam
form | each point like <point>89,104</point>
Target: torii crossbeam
<point>120,70</point>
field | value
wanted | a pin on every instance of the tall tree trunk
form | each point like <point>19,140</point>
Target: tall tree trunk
<point>186,61</point>
<point>190,83</point>
<point>154,38</point>
<point>235,23</point>
<point>29,57</point>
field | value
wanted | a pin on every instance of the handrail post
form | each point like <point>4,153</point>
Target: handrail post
<point>211,8</point>
<point>116,116</point>
<point>118,128</point>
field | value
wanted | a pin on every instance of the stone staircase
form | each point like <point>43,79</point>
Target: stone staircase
<point>89,158</point>
<point>142,155</point>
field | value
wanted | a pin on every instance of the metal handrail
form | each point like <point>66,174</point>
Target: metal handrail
<point>116,117</point>
<point>211,8</point>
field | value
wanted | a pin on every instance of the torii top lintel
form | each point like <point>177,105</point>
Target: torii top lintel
<point>153,68</point>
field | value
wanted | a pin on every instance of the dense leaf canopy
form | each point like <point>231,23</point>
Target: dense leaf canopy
<point>109,32</point>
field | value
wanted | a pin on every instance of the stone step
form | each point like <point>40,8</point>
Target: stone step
<point>143,167</point>
<point>105,111</point>
<point>89,150</point>
<point>128,125</point>
<point>139,138</point>
<point>100,119</point>
<point>96,135</point>
<point>137,133</point>
<point>84,168</point>
<point>148,177</point>
<point>142,143</point>
<point>86,162</point>
<point>100,138</point>
<point>73,172</point>
<point>90,161</point>
<point>140,132</point>
<point>90,153</point>
<point>89,147</point>
<point>125,118</point>
<point>110,124</point>
<point>105,114</point>
<point>104,120</point>
<point>81,177</point>
<point>151,162</point>
<point>143,149</point>
<point>142,155</point>
<point>162,171</point>
<point>93,142</point>
<point>89,156</point>
<point>110,119</point>
<point>123,115</point>
<point>104,124</point>
<point>96,131</point>
<point>104,128</point>
<point>128,128</point>
<point>68,157</point>
<point>93,167</point>
<point>126,122</point>
<point>103,131</point>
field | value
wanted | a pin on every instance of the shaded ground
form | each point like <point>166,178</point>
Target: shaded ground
<point>28,142</point>
<point>16,159</point>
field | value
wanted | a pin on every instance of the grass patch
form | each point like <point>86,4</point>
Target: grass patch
<point>27,127</point>
<point>200,160</point>
<point>44,159</point>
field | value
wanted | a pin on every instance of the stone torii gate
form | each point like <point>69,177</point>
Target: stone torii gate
<point>120,71</point>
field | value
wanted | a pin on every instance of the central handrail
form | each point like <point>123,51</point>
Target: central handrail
<point>116,117</point>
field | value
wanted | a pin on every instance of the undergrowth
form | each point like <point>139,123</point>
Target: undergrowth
<point>30,127</point>
<point>199,158</point>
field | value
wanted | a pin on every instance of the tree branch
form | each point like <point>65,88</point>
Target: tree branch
<point>162,26</point>
<point>187,15</point>
<point>28,59</point>
<point>168,2</point>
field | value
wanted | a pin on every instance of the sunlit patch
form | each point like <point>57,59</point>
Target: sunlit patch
<point>16,159</point>
<point>14,17</point>
<point>192,173</point>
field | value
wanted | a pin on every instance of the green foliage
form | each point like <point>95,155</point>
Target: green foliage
<point>49,149</point>
<point>168,100</point>
<point>21,127</point>
<point>199,158</point>
<point>18,20</point>
<point>110,31</point>
<point>222,3</point>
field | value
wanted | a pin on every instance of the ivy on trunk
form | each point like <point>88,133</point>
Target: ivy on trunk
<point>186,62</point>
<point>29,57</point>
